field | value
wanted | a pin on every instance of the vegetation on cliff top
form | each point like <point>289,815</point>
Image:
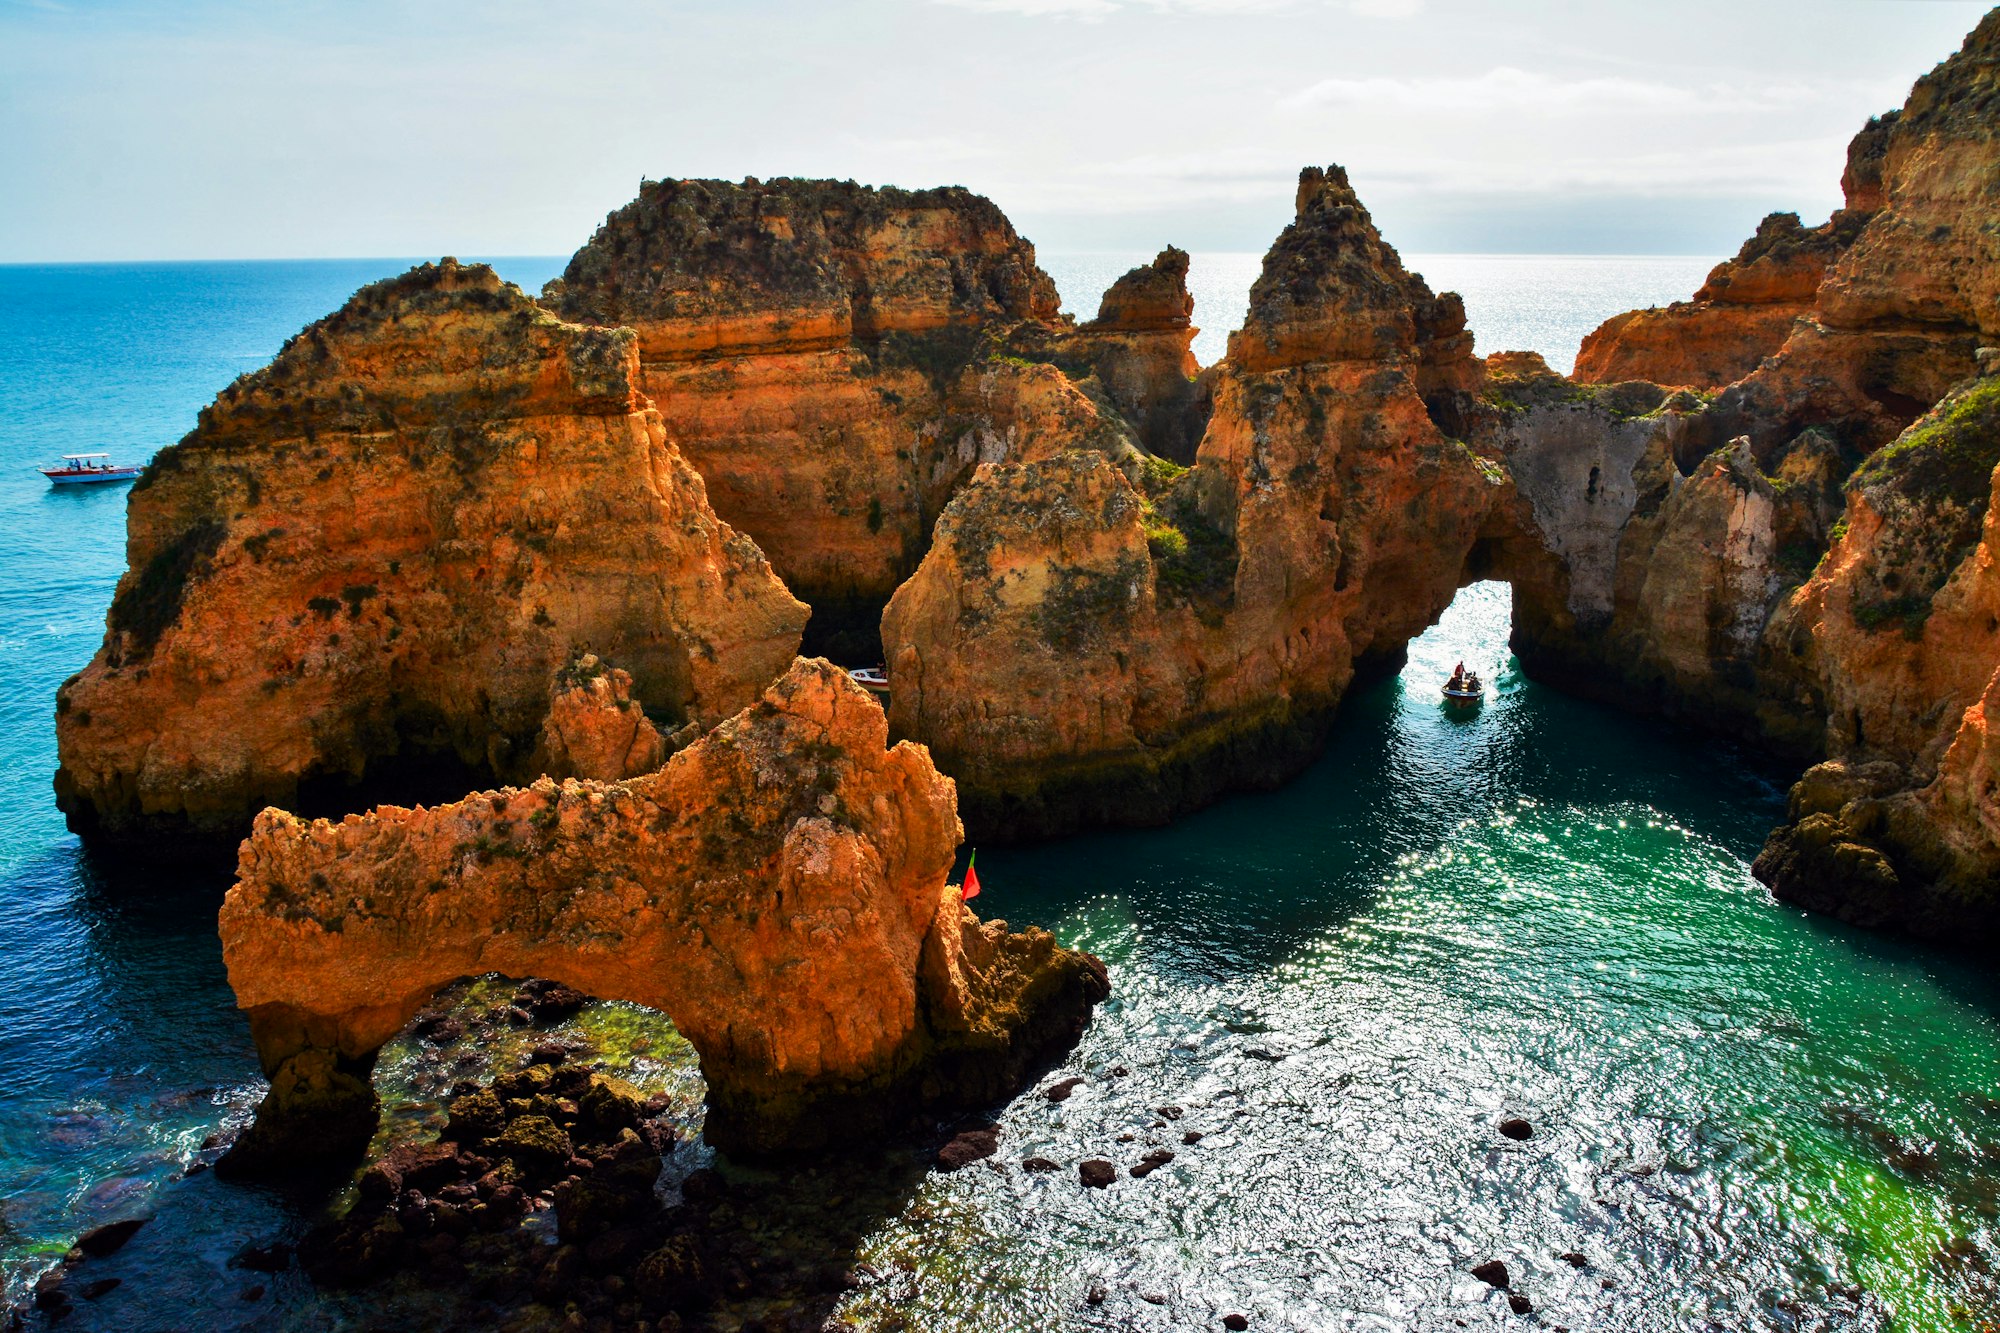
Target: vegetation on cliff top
<point>1931,486</point>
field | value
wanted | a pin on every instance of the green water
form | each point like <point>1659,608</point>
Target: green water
<point>1744,1117</point>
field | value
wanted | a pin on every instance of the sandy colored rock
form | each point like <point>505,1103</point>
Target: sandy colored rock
<point>1901,625</point>
<point>1141,345</point>
<point>803,340</point>
<point>1100,637</point>
<point>369,559</point>
<point>595,728</point>
<point>1742,314</point>
<point>777,889</point>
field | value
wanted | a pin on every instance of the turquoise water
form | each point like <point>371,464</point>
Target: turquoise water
<point>1746,1117</point>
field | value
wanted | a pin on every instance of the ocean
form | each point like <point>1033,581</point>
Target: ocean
<point>1746,1117</point>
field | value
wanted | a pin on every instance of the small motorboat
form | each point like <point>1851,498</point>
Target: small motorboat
<point>873,679</point>
<point>86,469</point>
<point>1464,688</point>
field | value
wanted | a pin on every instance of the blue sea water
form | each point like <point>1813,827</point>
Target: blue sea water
<point>1746,1117</point>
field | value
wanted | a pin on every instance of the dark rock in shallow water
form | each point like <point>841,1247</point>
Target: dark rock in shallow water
<point>1039,1165</point>
<point>1519,1304</point>
<point>1097,1173</point>
<point>972,1146</point>
<point>103,1286</point>
<point>109,1238</point>
<point>673,1277</point>
<point>1192,1137</point>
<point>549,1001</point>
<point>1517,1128</point>
<point>1235,1323</point>
<point>1493,1273</point>
<point>1151,1162</point>
<point>1059,1092</point>
<point>273,1258</point>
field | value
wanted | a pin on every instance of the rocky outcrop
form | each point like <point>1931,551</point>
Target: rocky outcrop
<point>1742,314</point>
<point>1141,346</point>
<point>777,889</point>
<point>1728,605</point>
<point>368,561</point>
<point>596,729</point>
<point>805,341</point>
<point>1901,625</point>
<point>1097,637</point>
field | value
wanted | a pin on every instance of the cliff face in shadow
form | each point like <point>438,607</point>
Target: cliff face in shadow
<point>1806,560</point>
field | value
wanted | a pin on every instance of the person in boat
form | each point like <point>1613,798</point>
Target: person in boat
<point>1457,681</point>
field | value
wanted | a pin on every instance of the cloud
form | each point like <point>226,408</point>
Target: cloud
<point>1505,88</point>
<point>1093,10</point>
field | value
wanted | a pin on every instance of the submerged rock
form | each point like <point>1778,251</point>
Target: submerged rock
<point>777,889</point>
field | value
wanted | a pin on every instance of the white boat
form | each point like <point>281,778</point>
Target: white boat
<point>86,469</point>
<point>872,679</point>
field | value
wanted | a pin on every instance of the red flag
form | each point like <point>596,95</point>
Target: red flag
<point>970,889</point>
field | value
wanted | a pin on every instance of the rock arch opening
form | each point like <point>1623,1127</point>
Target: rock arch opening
<point>777,890</point>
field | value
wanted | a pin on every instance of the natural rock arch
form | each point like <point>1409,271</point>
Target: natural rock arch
<point>778,890</point>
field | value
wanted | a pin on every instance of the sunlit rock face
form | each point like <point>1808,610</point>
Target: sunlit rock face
<point>1742,314</point>
<point>372,557</point>
<point>805,342</point>
<point>778,889</point>
<point>1105,637</point>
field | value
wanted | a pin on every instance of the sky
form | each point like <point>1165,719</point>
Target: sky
<point>212,129</point>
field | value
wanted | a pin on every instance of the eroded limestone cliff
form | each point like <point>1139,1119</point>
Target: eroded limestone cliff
<point>1100,636</point>
<point>370,559</point>
<point>834,360</point>
<point>1742,314</point>
<point>1805,561</point>
<point>778,889</point>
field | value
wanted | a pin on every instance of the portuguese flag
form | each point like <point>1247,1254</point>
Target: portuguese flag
<point>970,889</point>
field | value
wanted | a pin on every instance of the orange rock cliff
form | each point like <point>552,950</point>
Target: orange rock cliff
<point>836,360</point>
<point>777,889</point>
<point>370,559</point>
<point>1104,636</point>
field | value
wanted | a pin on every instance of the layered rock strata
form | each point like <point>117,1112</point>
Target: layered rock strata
<point>1141,346</point>
<point>1767,583</point>
<point>835,360</point>
<point>778,889</point>
<point>804,340</point>
<point>369,561</point>
<point>1095,637</point>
